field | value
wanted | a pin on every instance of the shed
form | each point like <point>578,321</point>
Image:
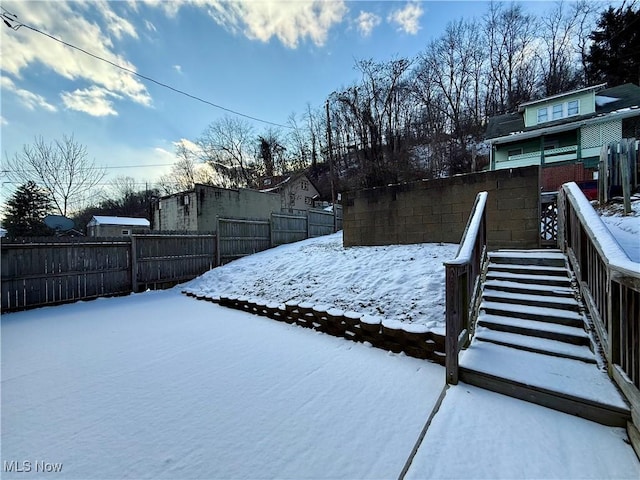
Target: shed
<point>104,226</point>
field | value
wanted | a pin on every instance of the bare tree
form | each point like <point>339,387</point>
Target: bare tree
<point>510,37</point>
<point>188,170</point>
<point>564,47</point>
<point>62,168</point>
<point>227,145</point>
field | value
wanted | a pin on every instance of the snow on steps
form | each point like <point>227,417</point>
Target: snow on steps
<point>531,342</point>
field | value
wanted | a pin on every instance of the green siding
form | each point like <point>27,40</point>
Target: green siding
<point>587,105</point>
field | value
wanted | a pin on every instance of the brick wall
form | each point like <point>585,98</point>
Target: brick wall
<point>553,177</point>
<point>437,210</point>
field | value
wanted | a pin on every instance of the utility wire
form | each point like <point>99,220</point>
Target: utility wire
<point>12,22</point>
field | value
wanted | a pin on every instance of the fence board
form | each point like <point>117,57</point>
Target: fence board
<point>240,237</point>
<point>161,259</point>
<point>36,274</point>
<point>287,228</point>
<point>320,223</point>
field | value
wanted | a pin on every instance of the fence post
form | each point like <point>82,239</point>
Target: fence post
<point>217,240</point>
<point>134,265</point>
<point>308,215</point>
<point>625,153</point>
<point>271,230</point>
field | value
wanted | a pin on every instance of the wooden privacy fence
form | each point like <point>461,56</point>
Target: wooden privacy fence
<point>463,285</point>
<point>610,285</point>
<point>53,270</point>
<point>240,237</point>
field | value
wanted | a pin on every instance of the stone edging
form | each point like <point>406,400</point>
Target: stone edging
<point>414,340</point>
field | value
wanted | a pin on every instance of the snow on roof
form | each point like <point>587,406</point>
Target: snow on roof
<point>128,221</point>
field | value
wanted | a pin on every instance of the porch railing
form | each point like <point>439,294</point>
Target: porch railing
<point>610,285</point>
<point>462,285</point>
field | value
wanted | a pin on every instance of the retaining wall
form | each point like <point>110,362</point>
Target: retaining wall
<point>437,210</point>
<point>414,340</point>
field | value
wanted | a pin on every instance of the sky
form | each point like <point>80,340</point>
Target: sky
<point>265,59</point>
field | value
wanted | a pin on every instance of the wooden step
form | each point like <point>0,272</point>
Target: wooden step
<point>551,258</point>
<point>540,314</point>
<point>566,385</point>
<point>565,303</point>
<point>529,269</point>
<point>530,279</point>
<point>529,289</point>
<point>533,328</point>
<point>543,346</point>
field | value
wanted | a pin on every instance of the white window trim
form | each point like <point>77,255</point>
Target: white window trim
<point>549,111</point>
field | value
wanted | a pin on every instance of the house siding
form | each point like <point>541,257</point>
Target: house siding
<point>587,106</point>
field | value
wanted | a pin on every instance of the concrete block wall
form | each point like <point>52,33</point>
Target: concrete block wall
<point>437,210</point>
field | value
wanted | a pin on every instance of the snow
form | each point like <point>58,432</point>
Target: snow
<point>625,228</point>
<point>483,435</point>
<point>608,244</point>
<point>397,282</point>
<point>125,221</point>
<point>160,385</point>
<point>558,374</point>
<point>466,249</point>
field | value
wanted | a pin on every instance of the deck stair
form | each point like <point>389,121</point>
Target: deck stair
<point>531,340</point>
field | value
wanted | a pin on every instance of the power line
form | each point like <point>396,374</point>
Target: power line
<point>12,22</point>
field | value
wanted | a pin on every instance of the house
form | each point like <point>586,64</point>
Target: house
<point>564,133</point>
<point>297,191</point>
<point>196,210</point>
<point>104,226</point>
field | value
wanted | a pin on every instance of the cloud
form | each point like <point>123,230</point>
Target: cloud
<point>3,121</point>
<point>93,100</point>
<point>290,22</point>
<point>366,22</point>
<point>150,26</point>
<point>178,68</point>
<point>407,18</point>
<point>29,99</point>
<point>71,22</point>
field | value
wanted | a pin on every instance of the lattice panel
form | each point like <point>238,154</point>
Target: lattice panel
<point>549,222</point>
<point>590,136</point>
<point>597,135</point>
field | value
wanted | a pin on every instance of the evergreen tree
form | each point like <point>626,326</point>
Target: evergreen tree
<point>614,56</point>
<point>26,210</point>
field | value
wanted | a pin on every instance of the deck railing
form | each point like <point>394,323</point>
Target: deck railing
<point>610,285</point>
<point>462,285</point>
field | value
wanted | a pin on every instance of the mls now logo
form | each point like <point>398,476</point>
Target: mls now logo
<point>27,466</point>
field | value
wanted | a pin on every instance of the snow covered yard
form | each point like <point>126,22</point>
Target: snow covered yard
<point>396,282</point>
<point>159,385</point>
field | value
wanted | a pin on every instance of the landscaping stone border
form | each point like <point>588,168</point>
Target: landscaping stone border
<point>391,335</point>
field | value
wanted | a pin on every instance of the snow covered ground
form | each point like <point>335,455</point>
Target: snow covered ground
<point>160,385</point>
<point>625,228</point>
<point>396,282</point>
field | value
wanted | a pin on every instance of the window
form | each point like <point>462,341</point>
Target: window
<point>126,232</point>
<point>573,107</point>
<point>551,144</point>
<point>542,115</point>
<point>308,200</point>
<point>558,111</point>
<point>304,185</point>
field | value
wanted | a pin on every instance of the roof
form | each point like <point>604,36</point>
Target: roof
<point>608,102</point>
<point>564,94</point>
<point>124,221</point>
